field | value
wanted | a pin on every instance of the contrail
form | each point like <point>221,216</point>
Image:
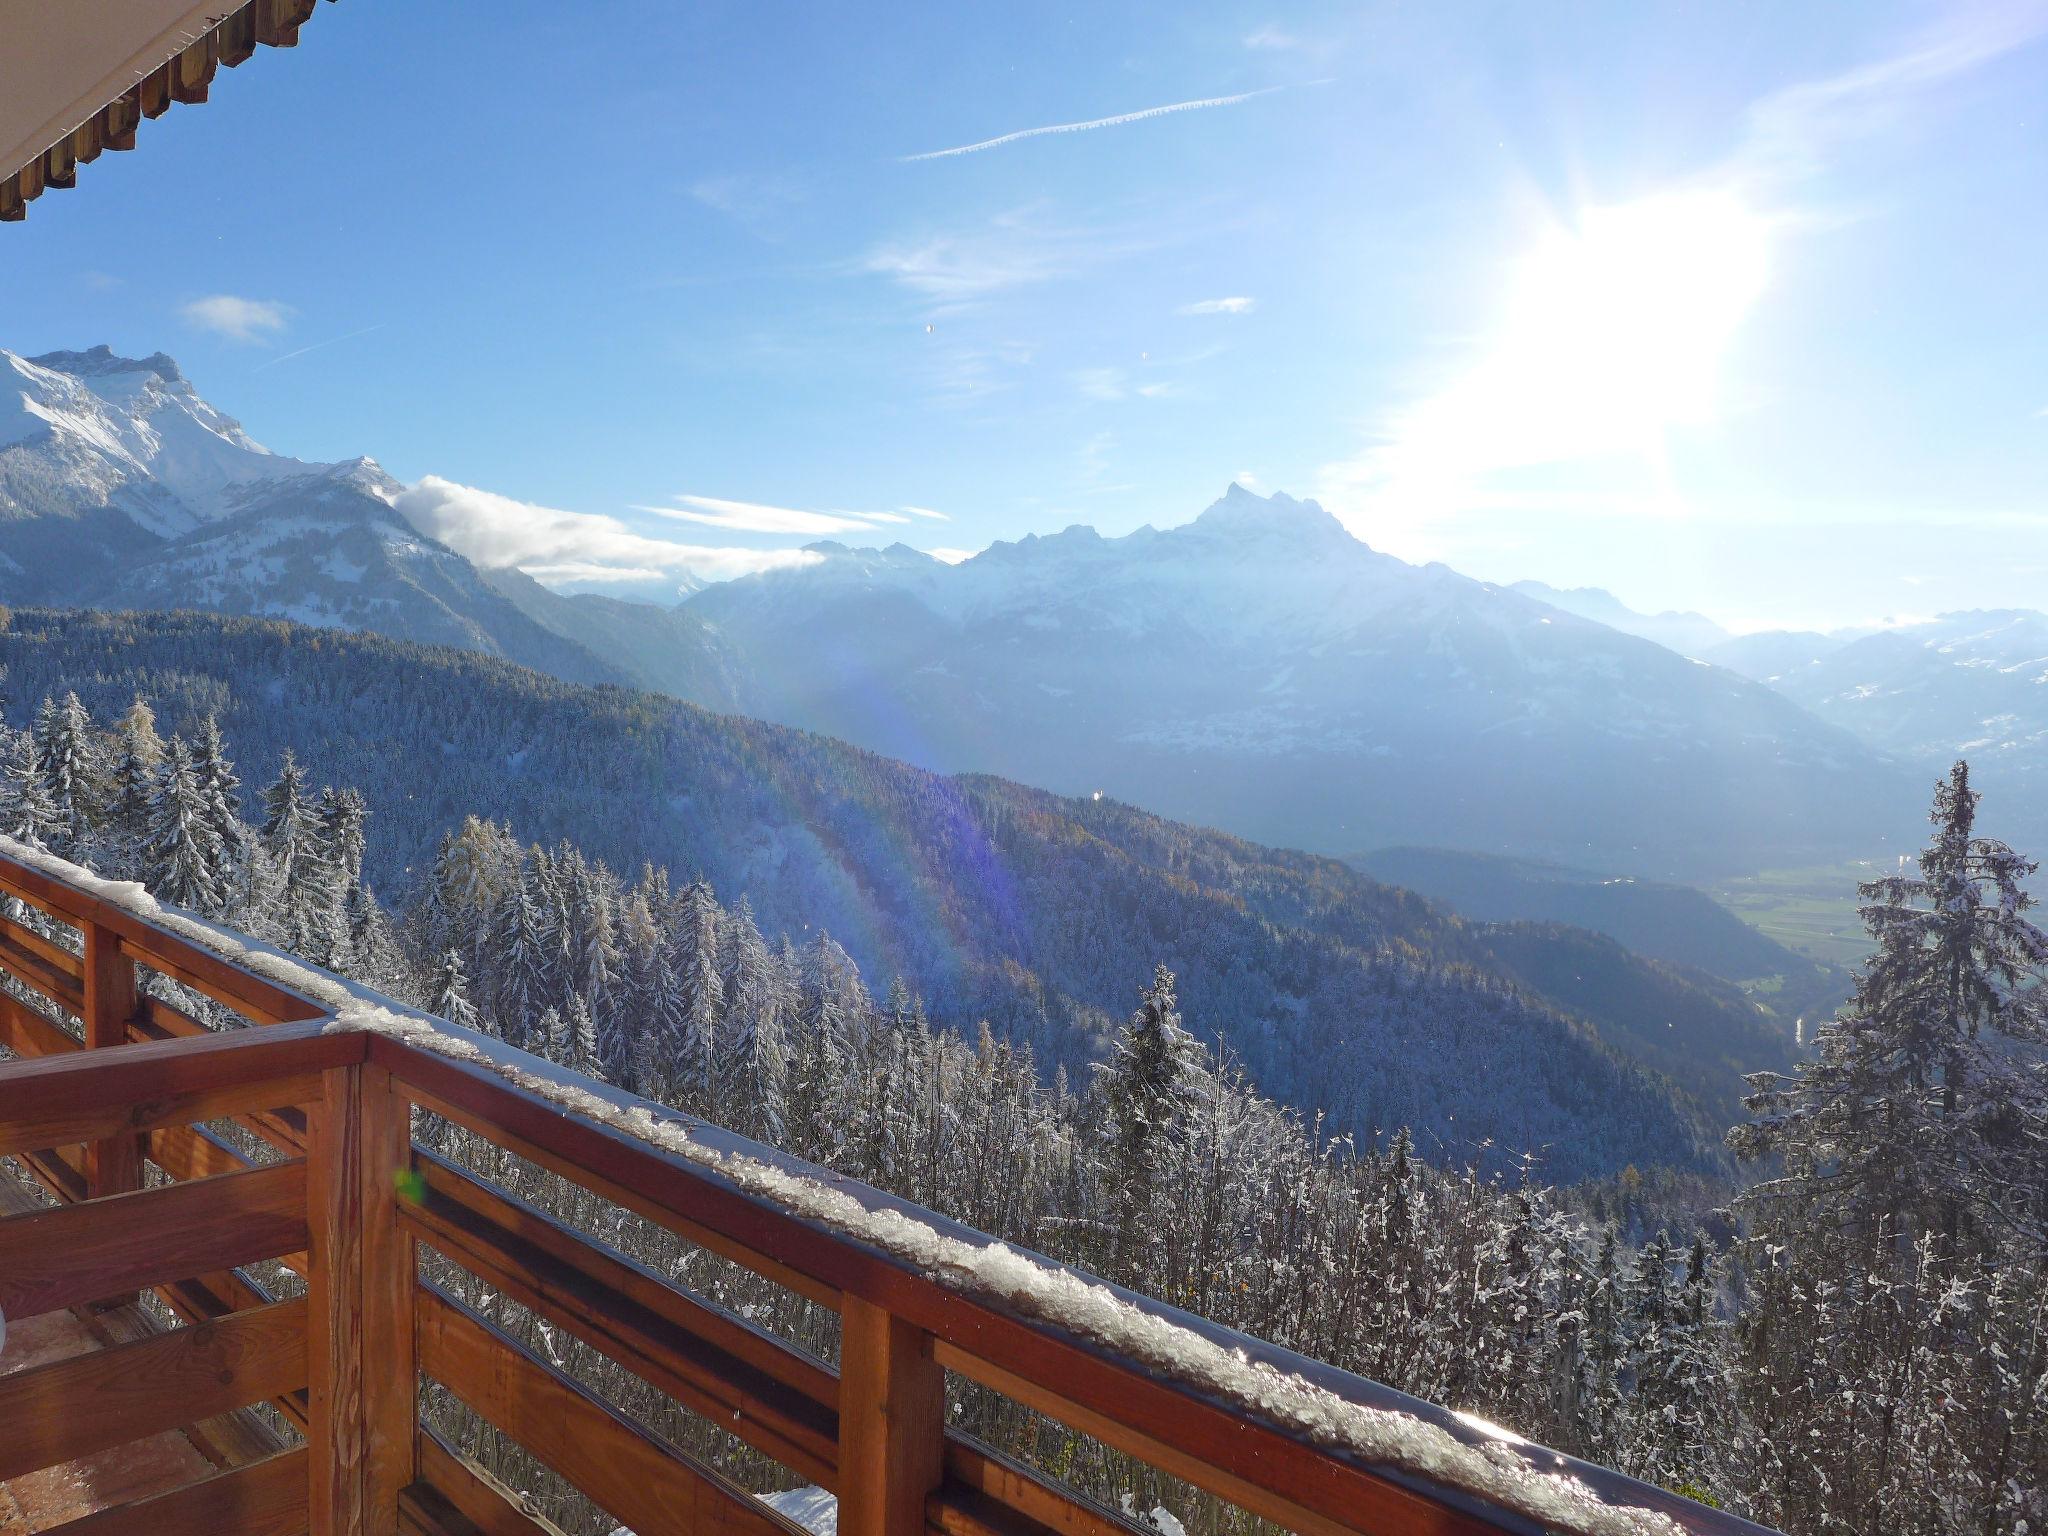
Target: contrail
<point>285,357</point>
<point>1101,122</point>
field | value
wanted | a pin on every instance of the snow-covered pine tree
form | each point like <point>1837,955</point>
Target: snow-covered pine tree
<point>180,862</point>
<point>27,814</point>
<point>1925,1105</point>
<point>586,1053</point>
<point>67,760</point>
<point>753,1060</point>
<point>138,755</point>
<point>450,998</point>
<point>1148,1095</point>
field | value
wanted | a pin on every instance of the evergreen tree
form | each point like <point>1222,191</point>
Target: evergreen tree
<point>30,815</point>
<point>180,862</point>
<point>138,757</point>
<point>1925,1105</point>
<point>68,765</point>
<point>450,997</point>
<point>1148,1097</point>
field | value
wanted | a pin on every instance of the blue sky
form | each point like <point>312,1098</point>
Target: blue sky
<point>1738,308</point>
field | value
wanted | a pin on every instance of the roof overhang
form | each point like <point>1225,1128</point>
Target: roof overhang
<point>78,76</point>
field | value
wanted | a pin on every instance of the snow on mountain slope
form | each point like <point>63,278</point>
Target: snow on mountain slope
<point>1971,684</point>
<point>121,488</point>
<point>1262,670</point>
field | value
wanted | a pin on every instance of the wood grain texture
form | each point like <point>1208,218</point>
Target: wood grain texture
<point>486,1506</point>
<point>86,1095</point>
<point>638,1480</point>
<point>390,1275</point>
<point>780,1401</point>
<point>264,1498</point>
<point>113,1164</point>
<point>78,1253</point>
<point>336,1436</point>
<point>72,1408</point>
<point>892,1422</point>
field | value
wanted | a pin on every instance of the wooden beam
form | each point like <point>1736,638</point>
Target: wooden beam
<point>635,1478</point>
<point>390,1276</point>
<point>119,119</point>
<point>748,1382</point>
<point>153,91</point>
<point>278,21</point>
<point>487,1505</point>
<point>192,70</point>
<point>892,1422</point>
<point>78,1253</point>
<point>335,1432</point>
<point>113,1163</point>
<point>238,36</point>
<point>85,1095</point>
<point>60,168</point>
<point>264,1498</point>
<point>71,1408</point>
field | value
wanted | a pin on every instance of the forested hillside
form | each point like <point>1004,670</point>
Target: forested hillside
<point>1874,1339</point>
<point>996,902</point>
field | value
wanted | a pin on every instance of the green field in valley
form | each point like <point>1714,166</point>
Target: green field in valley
<point>1811,910</point>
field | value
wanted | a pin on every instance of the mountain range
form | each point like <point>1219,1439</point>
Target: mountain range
<point>1258,669</point>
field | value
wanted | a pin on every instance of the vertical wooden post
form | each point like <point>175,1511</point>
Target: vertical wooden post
<point>892,1422</point>
<point>114,1164</point>
<point>360,1281</point>
<point>336,1453</point>
<point>390,1279</point>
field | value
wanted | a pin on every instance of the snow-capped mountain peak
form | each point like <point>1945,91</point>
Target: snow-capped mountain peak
<point>128,433</point>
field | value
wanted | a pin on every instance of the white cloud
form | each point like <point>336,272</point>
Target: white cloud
<point>941,517</point>
<point>885,517</point>
<point>1013,250</point>
<point>1092,123</point>
<point>952,556</point>
<point>237,318</point>
<point>553,545</point>
<point>753,517</point>
<point>1238,305</point>
<point>1271,39</point>
<point>1101,383</point>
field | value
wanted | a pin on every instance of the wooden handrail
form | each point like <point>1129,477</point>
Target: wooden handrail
<point>874,1431</point>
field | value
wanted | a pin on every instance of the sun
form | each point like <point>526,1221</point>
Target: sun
<point>1629,310</point>
<point>1611,334</point>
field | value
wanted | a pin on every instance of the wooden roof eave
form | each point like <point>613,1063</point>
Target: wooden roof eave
<point>185,75</point>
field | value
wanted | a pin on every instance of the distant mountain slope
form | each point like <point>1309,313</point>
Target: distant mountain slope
<point>1260,669</point>
<point>121,488</point>
<point>1038,912</point>
<point>1689,634</point>
<point>1674,924</point>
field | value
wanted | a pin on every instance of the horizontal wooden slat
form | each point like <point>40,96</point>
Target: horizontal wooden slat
<point>76,1253</point>
<point>264,1498</point>
<point>160,949</point>
<point>192,1152</point>
<point>595,1157</point>
<point>982,1486</point>
<point>453,1485</point>
<point>28,1033</point>
<point>652,1488</point>
<point>747,1381</point>
<point>71,1408</point>
<point>92,1094</point>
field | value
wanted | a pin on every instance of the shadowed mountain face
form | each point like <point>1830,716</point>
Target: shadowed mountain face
<point>1039,913</point>
<point>1261,669</point>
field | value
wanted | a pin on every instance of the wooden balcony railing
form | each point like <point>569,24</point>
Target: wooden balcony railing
<point>347,1201</point>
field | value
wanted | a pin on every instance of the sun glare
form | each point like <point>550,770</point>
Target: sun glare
<point>1612,334</point>
<point>1630,311</point>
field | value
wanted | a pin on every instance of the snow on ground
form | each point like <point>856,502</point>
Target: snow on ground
<point>992,1272</point>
